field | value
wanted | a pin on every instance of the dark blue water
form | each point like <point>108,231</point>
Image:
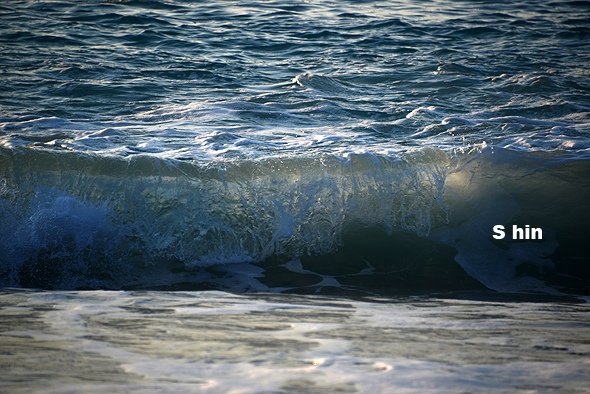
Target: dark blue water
<point>327,146</point>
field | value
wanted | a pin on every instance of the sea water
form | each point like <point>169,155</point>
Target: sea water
<point>105,341</point>
<point>357,154</point>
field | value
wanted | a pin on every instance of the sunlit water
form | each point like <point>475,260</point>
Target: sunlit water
<point>334,149</point>
<point>222,343</point>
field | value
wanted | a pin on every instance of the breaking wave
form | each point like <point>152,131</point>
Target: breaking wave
<point>416,221</point>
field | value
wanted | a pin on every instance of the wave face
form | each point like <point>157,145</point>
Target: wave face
<point>294,146</point>
<point>82,208</point>
<point>365,222</point>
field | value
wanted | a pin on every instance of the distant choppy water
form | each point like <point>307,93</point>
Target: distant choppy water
<point>317,146</point>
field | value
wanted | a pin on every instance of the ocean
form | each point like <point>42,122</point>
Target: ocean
<point>303,196</point>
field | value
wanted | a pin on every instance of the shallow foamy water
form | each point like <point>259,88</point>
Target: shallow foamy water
<point>226,343</point>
